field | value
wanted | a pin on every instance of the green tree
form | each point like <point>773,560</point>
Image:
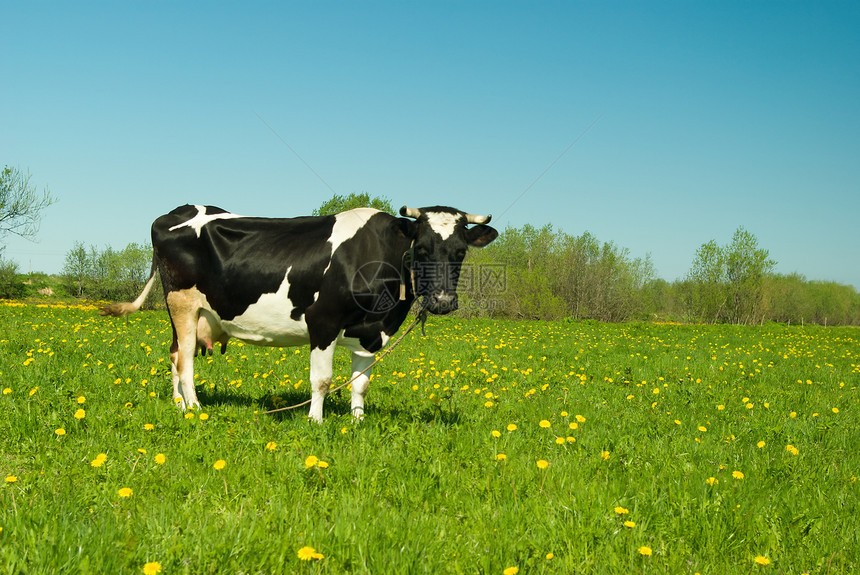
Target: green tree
<point>21,205</point>
<point>340,203</point>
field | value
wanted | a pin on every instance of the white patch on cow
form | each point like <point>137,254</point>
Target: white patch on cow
<point>268,321</point>
<point>443,223</point>
<point>346,224</point>
<point>202,218</point>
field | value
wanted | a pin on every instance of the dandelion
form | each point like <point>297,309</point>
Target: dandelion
<point>82,400</point>
<point>573,425</point>
<point>737,474</point>
<point>204,416</point>
<point>544,423</point>
<point>152,568</point>
<point>33,391</point>
<point>550,556</point>
<point>7,390</point>
<point>501,457</point>
<point>11,479</point>
<point>629,524</point>
<point>580,419</point>
<point>542,463</point>
<point>311,461</point>
<point>271,446</point>
<point>721,407</point>
<point>702,428</point>
<point>646,551</point>
<point>835,410</point>
<point>559,440</point>
<point>220,464</point>
<point>604,455</point>
<point>792,449</point>
<point>99,460</point>
<point>489,404</point>
<point>512,427</point>
<point>148,427</point>
<point>760,444</point>
<point>60,431</point>
<point>189,415</point>
<point>496,433</point>
<point>125,492</point>
<point>793,414</point>
<point>159,459</point>
<point>762,560</point>
<point>323,464</point>
<point>309,553</point>
<point>511,571</point>
<point>344,430</point>
<point>712,481</point>
<point>622,510</point>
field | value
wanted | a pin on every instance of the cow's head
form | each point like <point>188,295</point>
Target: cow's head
<point>440,237</point>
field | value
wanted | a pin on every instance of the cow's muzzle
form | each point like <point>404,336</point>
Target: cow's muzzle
<point>441,303</point>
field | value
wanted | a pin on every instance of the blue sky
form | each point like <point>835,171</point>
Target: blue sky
<point>689,119</point>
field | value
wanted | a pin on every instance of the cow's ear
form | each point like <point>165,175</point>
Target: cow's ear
<point>480,235</point>
<point>405,227</point>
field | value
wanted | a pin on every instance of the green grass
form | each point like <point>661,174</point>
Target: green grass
<point>417,486</point>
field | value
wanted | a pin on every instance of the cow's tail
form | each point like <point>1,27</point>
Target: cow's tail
<point>125,308</point>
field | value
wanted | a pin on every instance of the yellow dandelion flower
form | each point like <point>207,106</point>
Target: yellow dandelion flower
<point>344,430</point>
<point>621,510</point>
<point>220,464</point>
<point>762,560</point>
<point>737,475</point>
<point>644,551</point>
<point>835,410</point>
<point>511,571</point>
<point>159,458</point>
<point>189,415</point>
<point>721,407</point>
<point>792,449</point>
<point>512,427</point>
<point>60,431</point>
<point>702,428</point>
<point>559,440</point>
<point>760,444</point>
<point>7,390</point>
<point>148,427</point>
<point>544,423</point>
<point>33,391</point>
<point>204,416</point>
<point>309,553</point>
<point>271,446</point>
<point>152,568</point>
<point>542,463</point>
<point>311,461</point>
<point>82,400</point>
<point>125,492</point>
<point>323,464</point>
<point>580,419</point>
<point>793,414</point>
<point>11,479</point>
<point>712,481</point>
<point>501,457</point>
<point>550,556</point>
<point>604,455</point>
<point>629,524</point>
<point>496,433</point>
<point>573,425</point>
<point>489,404</point>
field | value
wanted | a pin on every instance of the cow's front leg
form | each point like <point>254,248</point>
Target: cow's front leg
<point>321,372</point>
<point>361,361</point>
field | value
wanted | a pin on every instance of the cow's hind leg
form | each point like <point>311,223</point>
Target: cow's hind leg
<point>321,372</point>
<point>184,310</point>
<point>361,361</point>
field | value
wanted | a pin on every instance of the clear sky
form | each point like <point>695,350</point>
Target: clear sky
<point>688,119</point>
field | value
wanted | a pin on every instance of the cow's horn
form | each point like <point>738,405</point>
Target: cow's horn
<point>410,212</point>
<point>473,219</point>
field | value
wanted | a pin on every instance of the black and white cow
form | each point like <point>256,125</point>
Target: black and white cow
<point>348,279</point>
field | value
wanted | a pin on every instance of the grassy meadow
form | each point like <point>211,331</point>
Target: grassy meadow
<point>488,447</point>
